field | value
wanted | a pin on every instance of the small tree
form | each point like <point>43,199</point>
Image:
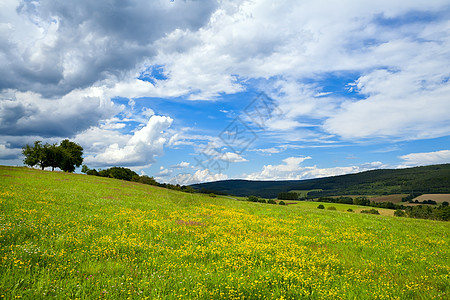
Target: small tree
<point>321,206</point>
<point>84,169</point>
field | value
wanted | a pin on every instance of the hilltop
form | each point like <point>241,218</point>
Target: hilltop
<point>428,179</point>
<point>87,237</point>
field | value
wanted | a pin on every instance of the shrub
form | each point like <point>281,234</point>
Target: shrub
<point>399,213</point>
<point>282,202</point>
<point>350,210</point>
<point>320,206</point>
<point>212,195</point>
<point>271,201</point>
<point>331,208</point>
<point>252,199</point>
<point>370,211</point>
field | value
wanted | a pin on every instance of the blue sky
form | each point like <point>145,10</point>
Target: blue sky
<point>194,91</point>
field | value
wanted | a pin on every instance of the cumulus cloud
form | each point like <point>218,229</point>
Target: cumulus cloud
<point>182,165</point>
<point>30,114</point>
<point>291,169</point>
<point>425,158</point>
<point>54,47</point>
<point>140,150</point>
<point>399,63</point>
<point>198,177</point>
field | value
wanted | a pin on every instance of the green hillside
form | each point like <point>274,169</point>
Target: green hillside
<point>428,179</point>
<point>69,236</point>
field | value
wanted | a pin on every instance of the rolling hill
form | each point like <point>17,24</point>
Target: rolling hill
<point>69,236</point>
<point>427,179</point>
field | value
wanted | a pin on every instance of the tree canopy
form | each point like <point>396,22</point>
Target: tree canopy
<point>66,156</point>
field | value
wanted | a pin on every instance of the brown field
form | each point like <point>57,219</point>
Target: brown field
<point>382,211</point>
<point>394,198</point>
<point>439,198</point>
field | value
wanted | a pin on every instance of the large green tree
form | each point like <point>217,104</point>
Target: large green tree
<point>34,155</point>
<point>66,156</point>
<point>71,155</point>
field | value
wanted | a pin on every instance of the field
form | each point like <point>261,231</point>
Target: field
<point>338,206</point>
<point>439,198</point>
<point>395,198</point>
<point>76,236</point>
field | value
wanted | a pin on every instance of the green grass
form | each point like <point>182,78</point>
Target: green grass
<point>70,236</point>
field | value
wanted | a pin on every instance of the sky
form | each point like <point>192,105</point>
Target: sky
<point>196,91</point>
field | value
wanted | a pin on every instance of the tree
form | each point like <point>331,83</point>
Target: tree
<point>53,155</point>
<point>65,156</point>
<point>84,169</point>
<point>34,155</point>
<point>71,155</point>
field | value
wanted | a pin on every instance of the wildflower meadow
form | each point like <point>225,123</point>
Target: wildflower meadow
<point>71,236</point>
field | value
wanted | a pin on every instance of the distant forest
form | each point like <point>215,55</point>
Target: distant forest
<point>421,180</point>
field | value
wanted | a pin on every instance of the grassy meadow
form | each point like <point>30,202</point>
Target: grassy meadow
<point>70,236</point>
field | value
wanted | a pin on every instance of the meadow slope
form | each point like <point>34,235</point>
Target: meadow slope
<point>76,236</point>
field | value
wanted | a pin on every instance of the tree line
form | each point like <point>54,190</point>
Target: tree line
<point>130,175</point>
<point>65,156</point>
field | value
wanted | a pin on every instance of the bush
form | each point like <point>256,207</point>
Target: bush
<point>399,213</point>
<point>321,206</point>
<point>212,195</point>
<point>271,201</point>
<point>350,210</point>
<point>331,208</point>
<point>282,202</point>
<point>252,199</point>
<point>370,211</point>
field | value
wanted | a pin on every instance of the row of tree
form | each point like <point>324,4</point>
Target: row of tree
<point>65,156</point>
<point>129,175</point>
<point>287,196</point>
<point>441,212</point>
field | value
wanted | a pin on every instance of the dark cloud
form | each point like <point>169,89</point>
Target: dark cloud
<point>87,41</point>
<point>33,116</point>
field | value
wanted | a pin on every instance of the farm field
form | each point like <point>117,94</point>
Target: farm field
<point>339,207</point>
<point>439,198</point>
<point>76,236</point>
<point>394,198</point>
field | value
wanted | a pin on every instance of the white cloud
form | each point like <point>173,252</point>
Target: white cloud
<point>198,177</point>
<point>399,104</point>
<point>425,158</point>
<point>163,173</point>
<point>291,169</point>
<point>182,165</point>
<point>140,149</point>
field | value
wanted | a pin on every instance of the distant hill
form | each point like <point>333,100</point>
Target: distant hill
<point>427,179</point>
